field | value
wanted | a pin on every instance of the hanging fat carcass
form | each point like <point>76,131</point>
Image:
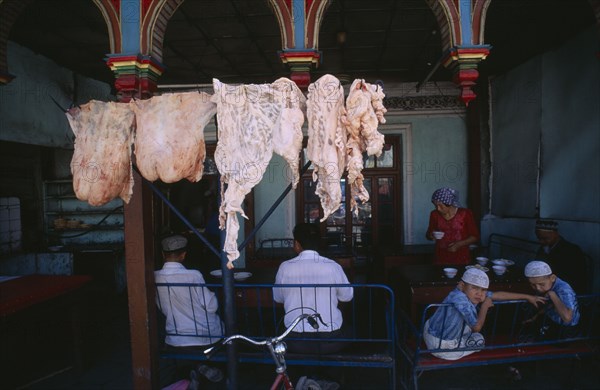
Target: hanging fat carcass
<point>287,132</point>
<point>326,147</point>
<point>101,163</point>
<point>169,141</point>
<point>247,118</point>
<point>364,112</point>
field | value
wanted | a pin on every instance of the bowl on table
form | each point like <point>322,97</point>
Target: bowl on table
<point>503,262</point>
<point>499,269</point>
<point>450,272</point>
<point>438,235</point>
<point>482,260</point>
<point>479,267</point>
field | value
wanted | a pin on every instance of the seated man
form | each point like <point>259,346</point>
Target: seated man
<point>565,258</point>
<point>311,268</point>
<point>191,312</point>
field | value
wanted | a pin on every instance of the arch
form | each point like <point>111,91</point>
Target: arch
<point>314,17</point>
<point>284,16</point>
<point>9,12</point>
<point>479,15</point>
<point>111,13</point>
<point>448,19</point>
<point>155,17</point>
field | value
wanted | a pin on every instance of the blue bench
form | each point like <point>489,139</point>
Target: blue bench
<point>369,317</point>
<point>504,340</point>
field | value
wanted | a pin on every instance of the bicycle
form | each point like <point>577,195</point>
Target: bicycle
<point>277,349</point>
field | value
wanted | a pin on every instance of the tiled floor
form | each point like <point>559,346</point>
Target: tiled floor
<point>109,367</point>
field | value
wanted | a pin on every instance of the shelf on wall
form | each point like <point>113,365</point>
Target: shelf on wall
<point>104,224</point>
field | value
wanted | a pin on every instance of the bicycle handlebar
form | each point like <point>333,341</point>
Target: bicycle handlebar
<point>311,318</point>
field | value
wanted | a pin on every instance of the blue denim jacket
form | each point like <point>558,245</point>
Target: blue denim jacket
<point>448,323</point>
<point>567,295</point>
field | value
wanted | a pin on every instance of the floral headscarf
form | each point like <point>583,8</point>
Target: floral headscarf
<point>446,195</point>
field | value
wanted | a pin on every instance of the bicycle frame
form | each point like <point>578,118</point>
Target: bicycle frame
<point>276,348</point>
<point>277,351</point>
<point>282,378</point>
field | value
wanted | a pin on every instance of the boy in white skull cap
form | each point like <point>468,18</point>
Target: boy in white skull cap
<point>458,326</point>
<point>561,302</point>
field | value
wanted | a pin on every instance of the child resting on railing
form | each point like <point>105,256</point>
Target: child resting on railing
<point>560,304</point>
<point>458,326</point>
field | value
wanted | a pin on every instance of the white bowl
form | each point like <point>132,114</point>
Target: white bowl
<point>450,272</point>
<point>482,260</point>
<point>438,235</point>
<point>501,262</point>
<point>499,269</point>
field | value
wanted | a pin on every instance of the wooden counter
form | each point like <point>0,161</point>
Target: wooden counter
<point>40,326</point>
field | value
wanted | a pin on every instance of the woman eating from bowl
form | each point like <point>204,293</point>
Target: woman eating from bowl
<point>452,227</point>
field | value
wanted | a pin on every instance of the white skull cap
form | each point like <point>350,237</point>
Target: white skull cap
<point>174,243</point>
<point>476,277</point>
<point>536,268</point>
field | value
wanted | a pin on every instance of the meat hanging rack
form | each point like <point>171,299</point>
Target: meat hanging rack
<point>228,285</point>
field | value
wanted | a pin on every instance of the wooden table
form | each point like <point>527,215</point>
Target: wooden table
<point>389,259</point>
<point>39,326</point>
<point>419,285</point>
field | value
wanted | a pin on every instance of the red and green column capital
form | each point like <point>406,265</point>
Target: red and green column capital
<point>136,75</point>
<point>463,62</point>
<point>300,63</point>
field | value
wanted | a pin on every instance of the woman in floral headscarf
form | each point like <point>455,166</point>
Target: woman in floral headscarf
<point>456,223</point>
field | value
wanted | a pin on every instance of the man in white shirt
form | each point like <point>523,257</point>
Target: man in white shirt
<point>190,312</point>
<point>311,268</point>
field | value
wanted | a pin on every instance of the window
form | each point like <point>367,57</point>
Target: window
<point>10,225</point>
<point>376,222</point>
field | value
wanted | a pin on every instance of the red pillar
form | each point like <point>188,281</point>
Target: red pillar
<point>135,78</point>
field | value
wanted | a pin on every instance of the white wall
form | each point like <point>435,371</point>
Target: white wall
<point>438,146</point>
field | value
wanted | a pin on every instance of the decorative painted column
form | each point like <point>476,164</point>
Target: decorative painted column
<point>299,22</point>
<point>463,61</point>
<point>461,24</point>
<point>136,31</point>
<point>135,75</point>
<point>300,64</point>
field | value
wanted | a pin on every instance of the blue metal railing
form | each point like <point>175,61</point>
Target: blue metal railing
<point>369,317</point>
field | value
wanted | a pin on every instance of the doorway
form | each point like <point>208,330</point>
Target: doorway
<point>374,223</point>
